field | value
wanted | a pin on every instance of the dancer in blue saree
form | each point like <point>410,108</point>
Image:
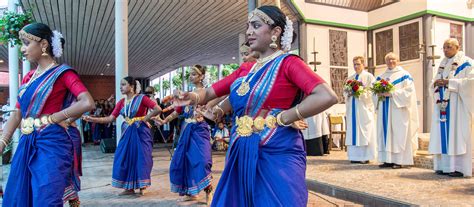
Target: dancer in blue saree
<point>190,169</point>
<point>42,166</point>
<point>133,158</point>
<point>266,160</point>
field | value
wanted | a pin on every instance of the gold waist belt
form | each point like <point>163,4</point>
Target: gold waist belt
<point>246,125</point>
<point>29,124</point>
<point>133,120</point>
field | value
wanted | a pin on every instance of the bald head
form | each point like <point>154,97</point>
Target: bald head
<point>450,47</point>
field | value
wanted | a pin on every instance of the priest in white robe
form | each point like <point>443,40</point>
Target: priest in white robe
<point>361,141</point>
<point>316,135</point>
<point>450,135</point>
<point>397,117</point>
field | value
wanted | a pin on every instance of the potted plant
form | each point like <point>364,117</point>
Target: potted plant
<point>11,23</point>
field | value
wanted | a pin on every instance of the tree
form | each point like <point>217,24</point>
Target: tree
<point>177,80</point>
<point>226,72</point>
<point>157,87</point>
<point>166,86</point>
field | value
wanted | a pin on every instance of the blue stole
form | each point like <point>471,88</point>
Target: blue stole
<point>354,119</point>
<point>444,126</point>
<point>386,105</point>
<point>35,93</point>
<point>129,110</point>
<point>462,67</point>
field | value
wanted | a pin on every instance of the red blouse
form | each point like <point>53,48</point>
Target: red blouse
<point>294,74</point>
<point>146,104</point>
<point>68,81</point>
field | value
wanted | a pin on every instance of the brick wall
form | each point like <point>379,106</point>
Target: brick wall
<point>3,95</point>
<point>100,87</point>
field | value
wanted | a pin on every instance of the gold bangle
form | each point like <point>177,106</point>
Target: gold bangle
<point>198,99</point>
<point>4,142</point>
<point>222,110</point>
<point>66,114</point>
<point>279,121</point>
<point>54,120</point>
<point>298,114</point>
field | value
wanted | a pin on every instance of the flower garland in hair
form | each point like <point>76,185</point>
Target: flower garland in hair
<point>56,44</point>
<point>287,37</point>
<point>138,87</point>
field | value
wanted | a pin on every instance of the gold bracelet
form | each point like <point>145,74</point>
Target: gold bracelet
<point>279,121</point>
<point>4,142</point>
<point>50,119</point>
<point>66,114</point>
<point>198,99</point>
<point>298,114</point>
<point>222,110</point>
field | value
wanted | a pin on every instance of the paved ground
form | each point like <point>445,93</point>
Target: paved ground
<point>415,185</point>
<point>97,191</point>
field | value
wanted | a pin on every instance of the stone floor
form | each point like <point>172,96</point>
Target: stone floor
<point>416,186</point>
<point>97,191</point>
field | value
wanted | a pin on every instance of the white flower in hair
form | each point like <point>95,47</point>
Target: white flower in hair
<point>138,87</point>
<point>287,37</point>
<point>56,44</point>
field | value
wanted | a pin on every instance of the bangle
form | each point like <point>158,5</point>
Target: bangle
<point>50,119</point>
<point>298,114</point>
<point>4,142</point>
<point>279,121</point>
<point>197,98</point>
<point>66,114</point>
<point>220,109</point>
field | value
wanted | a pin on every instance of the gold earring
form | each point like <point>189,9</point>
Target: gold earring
<point>274,45</point>
<point>44,52</point>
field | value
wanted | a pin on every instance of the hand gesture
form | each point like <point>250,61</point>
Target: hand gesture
<point>300,124</point>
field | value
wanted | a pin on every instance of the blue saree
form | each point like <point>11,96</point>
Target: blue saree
<point>190,169</point>
<point>42,166</point>
<point>266,168</point>
<point>133,158</point>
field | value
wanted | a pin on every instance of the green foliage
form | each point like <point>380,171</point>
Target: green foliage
<point>166,85</point>
<point>157,87</point>
<point>11,23</point>
<point>177,80</point>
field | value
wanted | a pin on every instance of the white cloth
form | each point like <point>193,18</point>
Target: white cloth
<point>5,116</point>
<point>400,141</point>
<point>361,141</point>
<point>317,126</point>
<point>221,133</point>
<point>453,148</point>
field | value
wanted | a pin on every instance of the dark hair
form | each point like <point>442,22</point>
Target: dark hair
<point>131,81</point>
<point>278,17</point>
<point>201,69</point>
<point>44,32</point>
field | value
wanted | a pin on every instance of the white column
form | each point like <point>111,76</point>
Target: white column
<point>185,80</point>
<point>171,82</point>
<point>121,53</point>
<point>183,84</point>
<point>219,71</point>
<point>161,88</point>
<point>13,67</point>
<point>26,67</point>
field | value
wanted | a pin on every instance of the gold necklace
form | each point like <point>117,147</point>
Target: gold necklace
<point>245,84</point>
<point>36,75</point>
